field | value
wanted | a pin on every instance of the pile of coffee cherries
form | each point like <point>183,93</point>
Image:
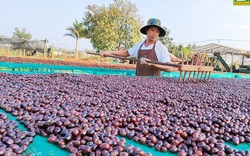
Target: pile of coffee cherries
<point>94,115</point>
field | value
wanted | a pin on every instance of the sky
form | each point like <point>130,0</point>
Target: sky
<point>189,21</point>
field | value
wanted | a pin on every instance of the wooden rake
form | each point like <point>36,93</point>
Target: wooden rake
<point>194,69</point>
<point>136,59</point>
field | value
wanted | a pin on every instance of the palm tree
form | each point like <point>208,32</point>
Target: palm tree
<point>76,31</point>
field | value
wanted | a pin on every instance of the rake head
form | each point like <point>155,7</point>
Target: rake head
<point>195,70</point>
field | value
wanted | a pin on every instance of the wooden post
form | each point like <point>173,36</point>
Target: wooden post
<point>65,52</point>
<point>242,63</point>
<point>9,48</point>
<point>231,69</point>
<point>45,48</point>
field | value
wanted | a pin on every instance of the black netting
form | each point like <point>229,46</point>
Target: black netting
<point>31,46</point>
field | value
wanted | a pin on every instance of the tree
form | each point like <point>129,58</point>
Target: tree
<point>114,27</point>
<point>76,31</point>
<point>166,40</point>
<point>21,34</point>
<point>181,51</point>
<point>173,49</point>
<point>177,50</point>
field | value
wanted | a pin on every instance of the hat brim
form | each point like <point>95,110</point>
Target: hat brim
<point>162,31</point>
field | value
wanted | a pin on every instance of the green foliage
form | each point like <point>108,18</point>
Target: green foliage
<point>76,31</point>
<point>177,50</point>
<point>172,48</point>
<point>21,34</point>
<point>166,40</point>
<point>181,51</point>
<point>114,27</point>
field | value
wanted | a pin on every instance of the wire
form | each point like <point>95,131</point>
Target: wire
<point>235,40</point>
<point>216,40</point>
<point>199,41</point>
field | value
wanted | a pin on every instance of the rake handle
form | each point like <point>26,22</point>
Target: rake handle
<point>135,59</point>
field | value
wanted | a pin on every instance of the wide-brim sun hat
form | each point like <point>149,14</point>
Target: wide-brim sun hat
<point>153,22</point>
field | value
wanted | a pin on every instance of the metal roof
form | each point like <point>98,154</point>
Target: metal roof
<point>213,47</point>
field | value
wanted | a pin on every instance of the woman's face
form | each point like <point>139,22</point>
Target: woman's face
<point>153,33</point>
